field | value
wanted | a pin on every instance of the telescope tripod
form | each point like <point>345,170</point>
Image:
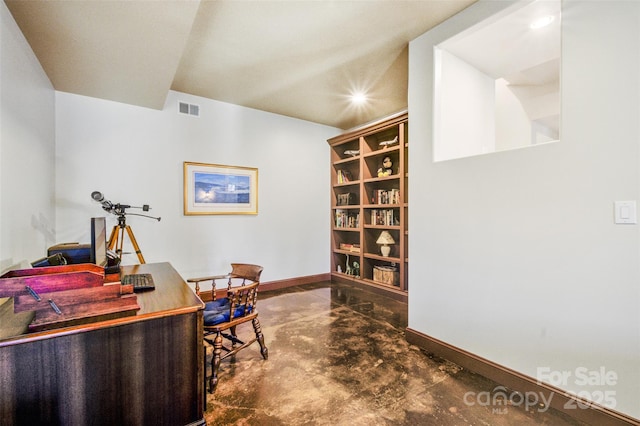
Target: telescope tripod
<point>117,238</point>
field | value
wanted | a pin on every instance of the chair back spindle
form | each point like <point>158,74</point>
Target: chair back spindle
<point>242,300</point>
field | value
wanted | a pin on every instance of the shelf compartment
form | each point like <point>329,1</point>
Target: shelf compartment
<point>372,249</point>
<point>390,137</point>
<point>346,172</point>
<point>367,271</point>
<point>346,197</point>
<point>346,242</point>
<point>376,167</point>
<point>346,150</point>
<point>385,192</point>
<point>346,218</point>
<point>352,269</point>
<point>385,216</point>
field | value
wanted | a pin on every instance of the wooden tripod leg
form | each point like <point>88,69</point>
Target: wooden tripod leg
<point>116,239</point>
<point>113,238</point>
<point>135,244</point>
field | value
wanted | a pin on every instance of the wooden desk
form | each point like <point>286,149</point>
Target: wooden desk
<point>146,369</point>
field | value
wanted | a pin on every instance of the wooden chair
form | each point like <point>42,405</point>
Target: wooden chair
<point>225,314</point>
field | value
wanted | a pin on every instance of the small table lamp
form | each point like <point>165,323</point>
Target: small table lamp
<point>385,239</point>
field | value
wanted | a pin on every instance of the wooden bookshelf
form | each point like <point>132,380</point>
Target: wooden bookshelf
<point>369,197</point>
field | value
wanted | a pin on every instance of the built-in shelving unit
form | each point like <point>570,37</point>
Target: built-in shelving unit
<point>369,180</point>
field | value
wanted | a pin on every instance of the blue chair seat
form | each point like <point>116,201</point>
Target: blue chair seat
<point>219,314</point>
<point>215,304</point>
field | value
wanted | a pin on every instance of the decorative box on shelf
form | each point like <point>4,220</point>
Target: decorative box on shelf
<point>385,274</point>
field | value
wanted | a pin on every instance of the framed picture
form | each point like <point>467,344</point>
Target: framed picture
<point>217,189</point>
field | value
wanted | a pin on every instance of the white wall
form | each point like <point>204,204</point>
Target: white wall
<point>135,156</point>
<point>27,215</point>
<point>514,255</point>
<point>465,104</point>
<point>513,126</point>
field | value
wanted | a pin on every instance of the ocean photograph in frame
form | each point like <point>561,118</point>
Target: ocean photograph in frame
<point>220,189</point>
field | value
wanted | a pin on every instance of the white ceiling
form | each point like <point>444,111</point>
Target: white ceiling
<point>297,58</point>
<point>505,46</point>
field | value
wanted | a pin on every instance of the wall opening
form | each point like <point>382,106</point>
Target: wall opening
<point>497,84</point>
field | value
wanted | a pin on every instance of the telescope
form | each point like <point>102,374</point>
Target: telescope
<point>116,239</point>
<point>120,209</point>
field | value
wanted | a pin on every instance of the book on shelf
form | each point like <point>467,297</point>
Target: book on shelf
<point>344,176</point>
<point>386,196</point>
<point>385,217</point>
<point>355,248</point>
<point>347,219</point>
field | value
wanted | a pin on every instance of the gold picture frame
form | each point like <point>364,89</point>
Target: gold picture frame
<point>220,189</point>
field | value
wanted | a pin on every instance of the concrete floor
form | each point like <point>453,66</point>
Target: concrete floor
<point>338,356</point>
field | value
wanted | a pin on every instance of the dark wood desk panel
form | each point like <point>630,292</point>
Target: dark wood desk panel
<point>139,370</point>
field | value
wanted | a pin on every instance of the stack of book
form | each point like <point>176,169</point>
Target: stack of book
<point>355,248</point>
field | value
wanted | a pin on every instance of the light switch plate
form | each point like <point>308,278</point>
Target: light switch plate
<point>625,212</point>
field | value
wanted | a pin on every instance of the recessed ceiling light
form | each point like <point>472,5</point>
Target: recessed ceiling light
<point>358,98</point>
<point>542,22</point>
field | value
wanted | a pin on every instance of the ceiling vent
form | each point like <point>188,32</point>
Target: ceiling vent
<point>189,109</point>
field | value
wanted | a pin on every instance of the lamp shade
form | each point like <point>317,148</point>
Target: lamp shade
<point>385,238</point>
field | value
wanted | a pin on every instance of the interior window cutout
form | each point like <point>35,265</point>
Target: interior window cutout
<point>497,84</point>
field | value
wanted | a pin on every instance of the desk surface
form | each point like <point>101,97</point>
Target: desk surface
<point>172,296</point>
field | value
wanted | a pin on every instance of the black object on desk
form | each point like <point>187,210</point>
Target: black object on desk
<point>53,260</point>
<point>140,282</point>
